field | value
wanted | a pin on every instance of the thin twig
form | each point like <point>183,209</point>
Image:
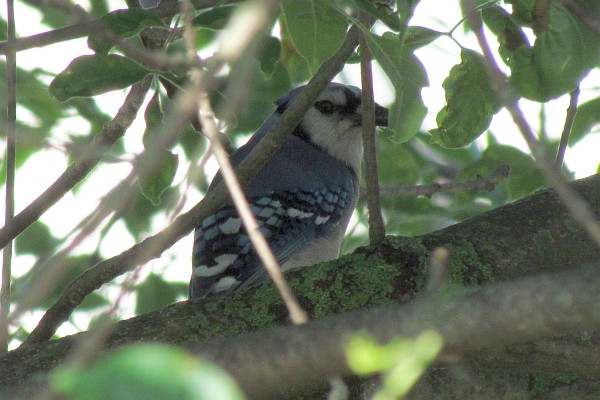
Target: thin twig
<point>11,145</point>
<point>566,133</point>
<point>376,224</point>
<point>579,208</point>
<point>167,8</point>
<point>475,185</point>
<point>153,246</point>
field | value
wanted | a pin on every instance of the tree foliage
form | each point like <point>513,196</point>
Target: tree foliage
<point>132,171</point>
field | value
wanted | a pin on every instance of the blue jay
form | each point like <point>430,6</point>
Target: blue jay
<point>302,198</point>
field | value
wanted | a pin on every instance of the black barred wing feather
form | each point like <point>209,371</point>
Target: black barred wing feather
<point>223,256</point>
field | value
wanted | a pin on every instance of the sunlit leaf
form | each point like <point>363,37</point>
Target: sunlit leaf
<point>149,372</point>
<point>92,75</point>
<point>470,103</point>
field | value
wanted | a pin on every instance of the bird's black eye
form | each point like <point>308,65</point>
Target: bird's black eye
<point>325,107</point>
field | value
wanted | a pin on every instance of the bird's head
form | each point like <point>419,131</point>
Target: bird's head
<point>334,122</point>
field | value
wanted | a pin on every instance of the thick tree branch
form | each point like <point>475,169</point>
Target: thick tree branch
<point>530,236</point>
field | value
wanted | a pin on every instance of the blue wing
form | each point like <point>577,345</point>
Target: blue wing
<point>295,200</point>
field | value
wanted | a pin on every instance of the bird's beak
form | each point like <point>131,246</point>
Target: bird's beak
<point>381,115</point>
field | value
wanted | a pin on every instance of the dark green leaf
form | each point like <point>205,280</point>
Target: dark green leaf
<point>271,55</point>
<point>92,75</point>
<point>32,94</point>
<point>296,65</point>
<point>36,239</point>
<point>153,116</point>
<point>587,116</point>
<point>470,103</point>
<point>408,77</point>
<point>149,372</point>
<point>382,12</point>
<point>316,28</point>
<point>510,35</point>
<point>418,36</point>
<point>524,176</point>
<point>154,186</point>
<point>72,267</point>
<point>153,294</point>
<point>99,8</point>
<point>215,18</point>
<point>395,163</point>
<point>124,24</point>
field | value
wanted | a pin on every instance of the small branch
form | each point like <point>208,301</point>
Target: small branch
<point>579,208</point>
<point>206,115</point>
<point>166,8</point>
<point>297,314</point>
<point>566,133</point>
<point>153,246</point>
<point>11,145</point>
<point>475,185</point>
<point>583,14</point>
<point>111,132</point>
<point>376,224</point>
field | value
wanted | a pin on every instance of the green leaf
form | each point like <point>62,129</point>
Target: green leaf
<point>88,76</point>
<point>153,294</point>
<point>153,116</point>
<point>524,176</point>
<point>510,35</point>
<point>563,53</point>
<point>32,94</point>
<point>470,103</point>
<point>271,55</point>
<point>402,361</point>
<point>418,36</point>
<point>154,186</point>
<point>215,18</point>
<point>36,239</point>
<point>587,116</point>
<point>396,164</point>
<point>316,28</point>
<point>124,24</point>
<point>296,65</point>
<point>382,12</point>
<point>408,77</point>
<point>149,372</point>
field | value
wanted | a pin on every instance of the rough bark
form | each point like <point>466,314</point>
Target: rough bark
<point>533,235</point>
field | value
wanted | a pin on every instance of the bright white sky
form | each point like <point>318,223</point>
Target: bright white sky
<point>40,171</point>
